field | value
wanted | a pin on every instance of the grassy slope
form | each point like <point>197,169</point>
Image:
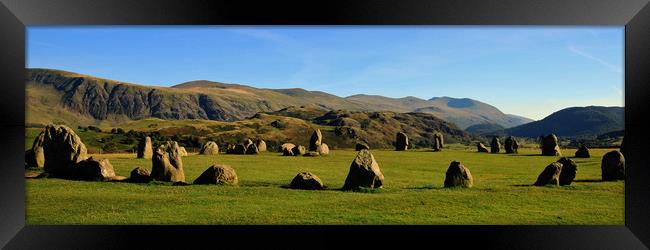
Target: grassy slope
<point>412,193</point>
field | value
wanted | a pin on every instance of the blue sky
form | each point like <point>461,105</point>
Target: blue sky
<point>524,70</point>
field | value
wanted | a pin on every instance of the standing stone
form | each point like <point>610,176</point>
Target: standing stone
<point>401,141</point>
<point>239,149</point>
<point>550,175</point>
<point>583,152</point>
<point>438,142</point>
<point>458,176</point>
<point>569,171</point>
<point>306,180</point>
<point>247,142</point>
<point>481,148</point>
<point>323,149</point>
<point>35,156</point>
<point>361,145</point>
<point>298,150</point>
<point>550,146</point>
<point>62,150</point>
<point>209,148</point>
<point>287,149</point>
<point>230,148</point>
<point>495,146</point>
<point>261,145</point>
<point>315,140</point>
<point>218,174</point>
<point>144,148</point>
<point>140,175</point>
<point>612,166</point>
<point>93,169</point>
<point>364,172</point>
<point>252,149</point>
<point>511,145</point>
<point>182,151</point>
<point>167,164</point>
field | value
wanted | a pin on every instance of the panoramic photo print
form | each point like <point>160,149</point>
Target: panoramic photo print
<point>332,125</point>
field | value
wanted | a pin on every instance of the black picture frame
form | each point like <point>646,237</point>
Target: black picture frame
<point>16,14</point>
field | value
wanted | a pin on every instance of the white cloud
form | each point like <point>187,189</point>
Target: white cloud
<point>610,66</point>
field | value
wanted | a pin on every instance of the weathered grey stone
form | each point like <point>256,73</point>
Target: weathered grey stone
<point>252,149</point>
<point>511,146</point>
<point>438,141</point>
<point>550,146</point>
<point>167,163</point>
<point>239,149</point>
<point>458,176</point>
<point>140,175</point>
<point>613,166</point>
<point>218,174</point>
<point>287,149</point>
<point>209,148</point>
<point>323,149</point>
<point>182,151</point>
<point>261,145</point>
<point>144,148</point>
<point>364,172</point>
<point>35,156</point>
<point>401,141</point>
<point>93,169</point>
<point>569,171</point>
<point>298,150</point>
<point>62,150</point>
<point>315,140</point>
<point>582,152</point>
<point>306,180</point>
<point>495,145</point>
<point>550,175</point>
<point>481,148</point>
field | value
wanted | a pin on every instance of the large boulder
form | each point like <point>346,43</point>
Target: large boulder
<point>458,176</point>
<point>167,163</point>
<point>361,145</point>
<point>239,149</point>
<point>218,174</point>
<point>298,150</point>
<point>287,149</point>
<point>230,148</point>
<point>209,148</point>
<point>323,149</point>
<point>62,150</point>
<point>481,148</point>
<point>364,172</point>
<point>247,142</point>
<point>140,175</point>
<point>315,140</point>
<point>495,145</point>
<point>511,146</point>
<point>438,142</point>
<point>550,146</point>
<point>252,149</point>
<point>35,156</point>
<point>93,169</point>
<point>261,145</point>
<point>569,171</point>
<point>613,166</point>
<point>583,152</point>
<point>144,148</point>
<point>306,180</point>
<point>182,151</point>
<point>401,141</point>
<point>550,175</point>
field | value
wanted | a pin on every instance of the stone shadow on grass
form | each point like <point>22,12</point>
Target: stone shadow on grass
<point>589,180</point>
<point>427,187</point>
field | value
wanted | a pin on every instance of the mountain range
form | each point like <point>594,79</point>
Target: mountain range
<point>56,95</point>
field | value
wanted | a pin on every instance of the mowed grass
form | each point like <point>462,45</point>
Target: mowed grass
<point>412,193</point>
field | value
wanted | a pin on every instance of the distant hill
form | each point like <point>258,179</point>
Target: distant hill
<point>575,121</point>
<point>56,95</point>
<point>463,112</point>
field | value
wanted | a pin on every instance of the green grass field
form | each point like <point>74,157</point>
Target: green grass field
<point>412,193</point>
